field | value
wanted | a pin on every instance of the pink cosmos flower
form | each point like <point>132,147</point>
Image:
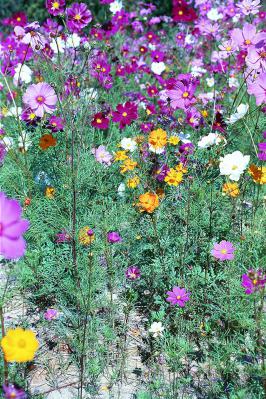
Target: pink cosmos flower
<point>100,121</point>
<point>12,244</point>
<point>178,296</point>
<point>253,281</point>
<point>223,251</point>
<point>56,124</point>
<point>133,273</point>
<point>102,155</point>
<point>113,237</point>
<point>55,7</point>
<point>40,98</point>
<point>181,96</point>
<point>78,16</point>
<point>249,6</point>
<point>256,57</point>
<point>30,35</point>
<point>247,36</point>
<point>13,392</point>
<point>51,314</point>
<point>258,89</point>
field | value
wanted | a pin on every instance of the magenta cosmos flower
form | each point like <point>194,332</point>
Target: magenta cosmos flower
<point>55,7</point>
<point>113,237</point>
<point>125,114</point>
<point>40,98</point>
<point>12,244</point>
<point>253,281</point>
<point>178,296</point>
<point>51,314</point>
<point>78,16</point>
<point>258,89</point>
<point>223,251</point>
<point>102,155</point>
<point>100,121</point>
<point>133,273</point>
<point>12,392</point>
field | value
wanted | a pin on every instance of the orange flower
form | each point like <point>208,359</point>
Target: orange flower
<point>128,164</point>
<point>46,141</point>
<point>148,202</point>
<point>258,173</point>
<point>231,189</point>
<point>158,138</point>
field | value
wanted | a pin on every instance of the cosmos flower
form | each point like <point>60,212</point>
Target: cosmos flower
<point>233,165</point>
<point>249,6</point>
<point>12,392</point>
<point>173,177</point>
<point>78,16</point>
<point>22,74</point>
<point>51,314</point>
<point>40,98</point>
<point>125,114</point>
<point>242,109</point>
<point>19,345</point>
<point>100,121</point>
<point>258,89</point>
<point>156,329</point>
<point>102,155</point>
<point>253,281</point>
<point>29,35</point>
<point>223,251</point>
<point>133,273</point>
<point>231,189</point>
<point>113,237</point>
<point>55,7</point>
<point>56,124</point>
<point>178,296</point>
<point>148,202</point>
<point>12,227</point>
<point>128,144</point>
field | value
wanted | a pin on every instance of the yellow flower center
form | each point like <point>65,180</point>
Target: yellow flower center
<point>98,120</point>
<point>132,275</point>
<point>247,41</point>
<point>223,251</point>
<point>254,281</point>
<point>32,116</point>
<point>178,297</point>
<point>77,17</point>
<point>124,114</point>
<point>234,167</point>
<point>180,12</point>
<point>18,19</point>
<point>185,94</point>
<point>55,5</point>
<point>21,343</point>
<point>228,48</point>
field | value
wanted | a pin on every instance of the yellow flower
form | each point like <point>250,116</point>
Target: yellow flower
<point>134,182</point>
<point>231,189</point>
<point>181,168</point>
<point>49,192</point>
<point>19,345</point>
<point>86,236</point>
<point>173,177</point>
<point>128,164</point>
<point>158,138</point>
<point>204,113</point>
<point>174,140</point>
<point>258,173</point>
<point>120,156</point>
<point>148,202</point>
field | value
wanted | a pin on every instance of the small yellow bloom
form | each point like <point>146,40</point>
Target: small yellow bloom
<point>181,168</point>
<point>128,164</point>
<point>120,156</point>
<point>204,113</point>
<point>19,345</point>
<point>86,236</point>
<point>158,138</point>
<point>258,173</point>
<point>50,192</point>
<point>134,182</point>
<point>174,140</point>
<point>173,177</point>
<point>231,189</point>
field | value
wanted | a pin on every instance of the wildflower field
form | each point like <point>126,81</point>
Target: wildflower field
<point>132,200</point>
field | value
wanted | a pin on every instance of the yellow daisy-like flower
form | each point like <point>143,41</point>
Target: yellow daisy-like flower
<point>128,164</point>
<point>204,113</point>
<point>19,345</point>
<point>148,202</point>
<point>86,236</point>
<point>50,192</point>
<point>173,177</point>
<point>134,182</point>
<point>258,173</point>
<point>120,156</point>
<point>158,138</point>
<point>174,140</point>
<point>231,189</point>
<point>181,168</point>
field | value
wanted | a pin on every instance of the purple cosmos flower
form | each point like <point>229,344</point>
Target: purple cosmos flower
<point>223,251</point>
<point>51,314</point>
<point>30,35</point>
<point>12,244</point>
<point>249,6</point>
<point>253,281</point>
<point>256,58</point>
<point>56,123</point>
<point>247,36</point>
<point>78,16</point>
<point>161,173</point>
<point>113,237</point>
<point>181,96</point>
<point>2,152</point>
<point>125,114</point>
<point>55,7</point>
<point>178,296</point>
<point>102,155</point>
<point>63,236</point>
<point>40,98</point>
<point>133,273</point>
<point>262,151</point>
<point>12,392</point>
<point>258,88</point>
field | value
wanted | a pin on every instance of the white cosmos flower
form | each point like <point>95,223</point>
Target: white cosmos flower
<point>116,6</point>
<point>210,82</point>
<point>156,329</point>
<point>233,165</point>
<point>242,109</point>
<point>156,150</point>
<point>23,73</point>
<point>128,144</point>
<point>158,67</point>
<point>208,141</point>
<point>214,15</point>
<point>58,45</point>
<point>8,142</point>
<point>14,111</point>
<point>73,41</point>
<point>121,189</point>
<point>233,82</point>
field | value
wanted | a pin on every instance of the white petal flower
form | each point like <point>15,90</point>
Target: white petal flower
<point>121,189</point>
<point>116,6</point>
<point>208,141</point>
<point>156,329</point>
<point>23,73</point>
<point>233,165</point>
<point>128,144</point>
<point>242,109</point>
<point>73,41</point>
<point>158,67</point>
<point>214,15</point>
<point>58,45</point>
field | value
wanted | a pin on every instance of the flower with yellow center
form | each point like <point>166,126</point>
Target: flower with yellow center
<point>50,192</point>
<point>158,138</point>
<point>181,168</point>
<point>128,164</point>
<point>134,182</point>
<point>231,189</point>
<point>86,236</point>
<point>258,173</point>
<point>148,202</point>
<point>55,5</point>
<point>173,177</point>
<point>19,345</point>
<point>120,156</point>
<point>174,140</point>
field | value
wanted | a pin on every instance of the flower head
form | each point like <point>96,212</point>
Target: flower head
<point>125,114</point>
<point>55,7</point>
<point>51,314</point>
<point>12,244</point>
<point>148,202</point>
<point>156,329</point>
<point>233,165</point>
<point>258,173</point>
<point>19,345</point>
<point>102,155</point>
<point>78,16</point>
<point>113,237</point>
<point>173,177</point>
<point>13,392</point>
<point>231,189</point>
<point>178,296</point>
<point>253,281</point>
<point>157,139</point>
<point>40,98</point>
<point>86,236</point>
<point>223,251</point>
<point>133,273</point>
